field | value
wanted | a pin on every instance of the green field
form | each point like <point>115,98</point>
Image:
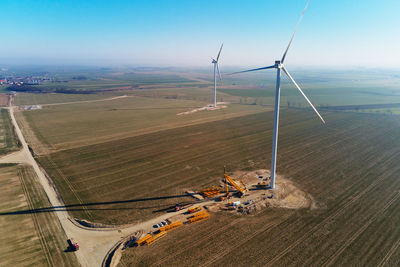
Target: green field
<point>3,89</point>
<point>28,239</point>
<point>324,87</point>
<point>321,95</point>
<point>7,141</point>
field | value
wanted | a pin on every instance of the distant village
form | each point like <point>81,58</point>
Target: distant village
<point>23,80</point>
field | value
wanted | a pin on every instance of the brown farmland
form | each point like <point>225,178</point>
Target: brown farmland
<point>66,126</point>
<point>350,167</point>
<point>4,99</point>
<point>7,141</point>
<point>28,238</point>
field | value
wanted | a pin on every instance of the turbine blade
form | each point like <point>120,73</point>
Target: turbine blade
<point>219,73</point>
<point>263,68</point>
<point>297,26</point>
<point>301,91</point>
<point>219,53</point>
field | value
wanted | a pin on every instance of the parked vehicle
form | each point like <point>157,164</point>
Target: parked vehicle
<point>73,245</point>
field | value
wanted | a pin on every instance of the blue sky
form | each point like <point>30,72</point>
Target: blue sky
<point>255,32</point>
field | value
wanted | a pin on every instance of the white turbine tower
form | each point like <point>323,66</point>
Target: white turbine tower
<point>279,66</point>
<point>216,68</point>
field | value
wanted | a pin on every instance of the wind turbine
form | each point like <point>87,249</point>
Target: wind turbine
<point>279,66</point>
<point>216,68</point>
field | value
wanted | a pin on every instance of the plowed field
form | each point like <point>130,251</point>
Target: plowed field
<point>350,166</point>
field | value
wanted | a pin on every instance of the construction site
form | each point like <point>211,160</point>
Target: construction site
<point>246,194</point>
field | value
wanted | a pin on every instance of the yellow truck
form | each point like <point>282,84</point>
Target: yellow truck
<point>194,209</point>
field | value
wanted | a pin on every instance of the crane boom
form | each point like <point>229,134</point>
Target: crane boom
<point>235,185</point>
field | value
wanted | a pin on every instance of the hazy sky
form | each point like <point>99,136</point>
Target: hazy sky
<point>333,32</point>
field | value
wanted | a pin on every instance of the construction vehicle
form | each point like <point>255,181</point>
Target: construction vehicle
<point>171,226</point>
<point>234,203</point>
<point>142,240</point>
<point>201,217</point>
<point>176,207</point>
<point>249,202</point>
<point>179,207</point>
<point>262,185</point>
<point>73,245</point>
<point>154,238</point>
<point>226,196</point>
<point>194,209</point>
<point>132,242</point>
<point>241,189</point>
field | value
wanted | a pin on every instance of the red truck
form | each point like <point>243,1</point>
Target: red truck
<point>179,207</point>
<point>73,245</point>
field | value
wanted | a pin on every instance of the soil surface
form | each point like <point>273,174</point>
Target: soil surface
<point>95,243</point>
<point>285,195</point>
<point>208,107</point>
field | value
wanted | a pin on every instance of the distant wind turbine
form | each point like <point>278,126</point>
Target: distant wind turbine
<point>279,66</point>
<point>216,68</point>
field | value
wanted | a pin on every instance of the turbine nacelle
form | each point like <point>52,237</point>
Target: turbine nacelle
<point>278,64</point>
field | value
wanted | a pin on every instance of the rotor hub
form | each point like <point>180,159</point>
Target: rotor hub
<point>278,64</point>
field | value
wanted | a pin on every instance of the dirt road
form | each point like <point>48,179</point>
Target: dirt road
<point>86,101</point>
<point>94,243</point>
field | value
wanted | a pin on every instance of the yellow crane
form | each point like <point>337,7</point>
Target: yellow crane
<point>241,189</point>
<point>226,196</point>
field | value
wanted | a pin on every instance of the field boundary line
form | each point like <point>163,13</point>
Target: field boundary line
<point>84,101</point>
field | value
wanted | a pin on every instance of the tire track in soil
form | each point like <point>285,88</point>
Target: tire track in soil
<point>61,174</point>
<point>390,158</point>
<point>332,216</point>
<point>228,151</point>
<point>184,160</point>
<point>265,229</point>
<point>389,254</point>
<point>146,181</point>
<point>338,252</point>
<point>36,223</point>
<point>198,241</point>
